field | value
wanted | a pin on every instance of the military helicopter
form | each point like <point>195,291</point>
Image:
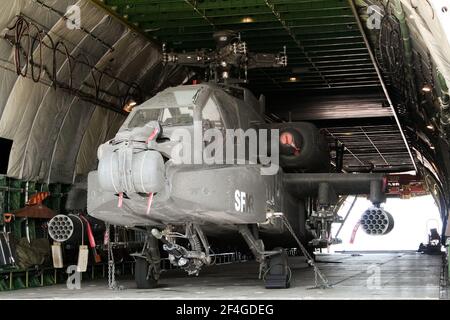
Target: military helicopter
<point>270,183</point>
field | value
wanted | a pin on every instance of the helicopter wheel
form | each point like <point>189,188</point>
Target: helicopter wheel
<point>144,275</point>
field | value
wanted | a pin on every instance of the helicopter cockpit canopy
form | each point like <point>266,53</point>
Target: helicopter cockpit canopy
<point>175,116</point>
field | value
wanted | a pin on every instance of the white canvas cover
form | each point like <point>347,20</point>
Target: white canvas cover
<point>55,133</point>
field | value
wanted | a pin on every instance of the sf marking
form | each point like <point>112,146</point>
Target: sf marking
<point>243,202</point>
<point>227,309</point>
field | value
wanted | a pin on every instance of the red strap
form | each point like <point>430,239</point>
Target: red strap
<point>89,232</point>
<point>106,237</point>
<point>149,203</point>
<point>355,229</point>
<point>153,135</point>
<point>150,195</point>
<point>119,204</point>
<point>385,184</point>
<point>37,198</point>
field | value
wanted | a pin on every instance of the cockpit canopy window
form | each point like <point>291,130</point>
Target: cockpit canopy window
<point>177,116</point>
<point>211,113</point>
<point>143,116</point>
<point>185,97</point>
<point>181,116</point>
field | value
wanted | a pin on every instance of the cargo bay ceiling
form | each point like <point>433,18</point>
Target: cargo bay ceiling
<point>361,85</point>
<point>331,79</point>
<point>324,44</point>
<point>328,63</point>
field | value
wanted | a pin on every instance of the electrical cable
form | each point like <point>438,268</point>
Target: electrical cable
<point>82,227</point>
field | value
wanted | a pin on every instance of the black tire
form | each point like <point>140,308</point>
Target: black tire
<point>140,275</point>
<point>278,275</point>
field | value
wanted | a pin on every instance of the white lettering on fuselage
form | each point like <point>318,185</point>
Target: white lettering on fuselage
<point>239,198</point>
<point>243,202</point>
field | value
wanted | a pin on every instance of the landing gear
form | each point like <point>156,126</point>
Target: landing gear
<point>147,268</point>
<point>273,265</point>
<point>190,258</point>
<point>145,275</point>
<point>278,274</point>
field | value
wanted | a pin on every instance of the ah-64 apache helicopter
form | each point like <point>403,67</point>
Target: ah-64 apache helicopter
<point>185,204</point>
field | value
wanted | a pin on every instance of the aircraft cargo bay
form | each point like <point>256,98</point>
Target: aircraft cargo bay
<point>224,149</point>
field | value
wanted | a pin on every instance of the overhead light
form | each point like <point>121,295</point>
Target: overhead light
<point>426,88</point>
<point>247,20</point>
<point>430,126</point>
<point>293,79</point>
<point>129,106</point>
<point>432,147</point>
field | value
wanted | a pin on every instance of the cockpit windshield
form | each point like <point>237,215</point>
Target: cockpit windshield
<point>179,116</point>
